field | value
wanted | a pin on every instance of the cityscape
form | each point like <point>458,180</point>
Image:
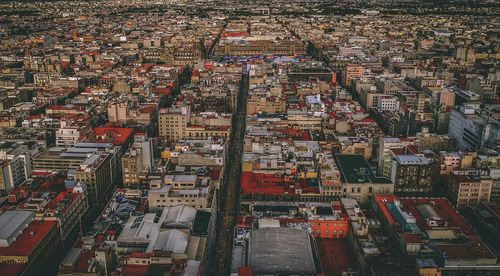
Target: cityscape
<point>250,138</point>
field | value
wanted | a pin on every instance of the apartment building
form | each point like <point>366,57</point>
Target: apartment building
<point>95,173</point>
<point>138,160</point>
<point>172,122</point>
<point>179,189</point>
<point>469,190</point>
<point>67,136</point>
<point>352,71</point>
<point>410,173</point>
<point>256,104</point>
<point>384,153</point>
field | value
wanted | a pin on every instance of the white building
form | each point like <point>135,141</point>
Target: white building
<point>387,103</point>
<point>473,129</point>
<point>15,165</point>
<point>67,136</point>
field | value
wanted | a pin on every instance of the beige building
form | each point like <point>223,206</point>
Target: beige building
<point>172,122</point>
<point>265,105</point>
<point>358,181</point>
<point>384,153</point>
<point>369,99</point>
<point>304,121</point>
<point>207,131</point>
<point>129,169</point>
<point>117,113</point>
<point>179,189</point>
<point>352,145</point>
<point>363,191</point>
<point>469,190</point>
<point>261,47</point>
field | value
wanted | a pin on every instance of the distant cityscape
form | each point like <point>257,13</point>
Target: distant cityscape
<point>250,138</point>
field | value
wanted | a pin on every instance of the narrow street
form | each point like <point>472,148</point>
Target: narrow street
<point>230,189</point>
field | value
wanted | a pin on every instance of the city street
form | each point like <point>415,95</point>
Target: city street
<point>229,192</point>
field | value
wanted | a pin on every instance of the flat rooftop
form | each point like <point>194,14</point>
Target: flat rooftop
<point>451,226</point>
<point>11,223</point>
<point>335,256</point>
<point>354,168</point>
<point>282,251</point>
<point>29,240</point>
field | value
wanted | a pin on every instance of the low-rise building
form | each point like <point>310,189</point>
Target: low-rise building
<point>180,189</point>
<point>358,180</point>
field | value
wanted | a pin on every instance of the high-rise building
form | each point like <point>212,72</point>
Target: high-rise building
<point>15,165</point>
<point>138,160</point>
<point>95,173</point>
<point>11,174</point>
<point>117,113</point>
<point>384,158</point>
<point>473,129</point>
<point>410,173</point>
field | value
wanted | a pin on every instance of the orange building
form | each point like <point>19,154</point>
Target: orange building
<point>352,71</point>
<point>329,228</point>
<point>329,225</point>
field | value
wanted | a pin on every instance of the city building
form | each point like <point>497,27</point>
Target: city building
<point>172,122</point>
<point>27,246</point>
<point>469,190</point>
<point>95,174</point>
<point>138,160</point>
<point>67,136</point>
<point>352,71</point>
<point>431,225</point>
<point>265,247</point>
<point>180,189</point>
<point>384,153</point>
<point>473,129</point>
<point>358,180</point>
<point>411,173</point>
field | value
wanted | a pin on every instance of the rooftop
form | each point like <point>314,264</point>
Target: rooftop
<point>108,134</point>
<point>450,233</point>
<point>178,216</point>
<point>11,224</point>
<point>354,168</point>
<point>29,240</point>
<point>262,183</point>
<point>281,251</point>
